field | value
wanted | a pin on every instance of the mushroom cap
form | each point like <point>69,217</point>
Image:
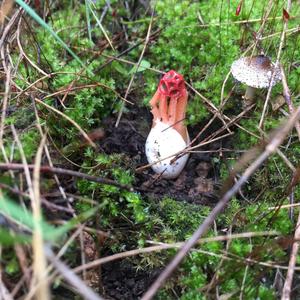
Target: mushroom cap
<point>164,141</point>
<point>255,71</point>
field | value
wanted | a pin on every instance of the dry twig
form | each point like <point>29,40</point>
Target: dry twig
<point>69,119</point>
<point>39,259</point>
<point>286,291</point>
<point>282,39</point>
<point>48,169</point>
<point>137,67</point>
<point>72,278</point>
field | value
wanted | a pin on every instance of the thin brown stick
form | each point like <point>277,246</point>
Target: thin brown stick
<point>238,22</point>
<point>137,67</point>
<point>286,291</point>
<point>288,98</point>
<point>4,292</point>
<point>206,141</point>
<point>86,86</point>
<point>164,246</point>
<point>47,152</point>
<point>277,64</point>
<point>39,258</point>
<point>48,169</point>
<point>9,26</point>
<point>22,52</point>
<point>5,103</point>
<point>84,134</point>
<point>72,278</point>
<point>61,252</point>
<point>182,152</point>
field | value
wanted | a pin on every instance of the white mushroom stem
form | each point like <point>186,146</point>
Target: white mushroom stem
<point>249,95</point>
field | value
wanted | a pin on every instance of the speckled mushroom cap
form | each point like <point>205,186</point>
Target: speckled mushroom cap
<point>255,71</point>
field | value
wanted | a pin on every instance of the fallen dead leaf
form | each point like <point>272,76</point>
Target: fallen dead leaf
<point>6,8</point>
<point>92,276</point>
<point>278,102</point>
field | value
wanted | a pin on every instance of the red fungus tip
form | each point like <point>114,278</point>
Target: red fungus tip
<point>172,85</point>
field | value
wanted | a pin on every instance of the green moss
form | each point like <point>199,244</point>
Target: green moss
<point>203,54</point>
<point>12,267</point>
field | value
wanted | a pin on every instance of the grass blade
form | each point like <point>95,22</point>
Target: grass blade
<point>88,20</point>
<point>100,25</point>
<point>39,20</point>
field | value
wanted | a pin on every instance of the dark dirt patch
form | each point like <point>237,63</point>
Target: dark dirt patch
<point>122,281</point>
<point>198,183</point>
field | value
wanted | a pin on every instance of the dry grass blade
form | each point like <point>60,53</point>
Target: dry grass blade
<point>137,67</point>
<point>5,102</point>
<point>39,127</point>
<point>33,187</point>
<point>23,52</point>
<point>89,3</point>
<point>282,39</point>
<point>186,150</point>
<point>24,163</point>
<point>284,206</point>
<point>49,169</point>
<point>39,259</point>
<point>9,27</point>
<point>286,291</point>
<point>295,180</point>
<point>72,278</point>
<point>270,148</point>
<point>241,22</point>
<point>92,85</point>
<point>58,255</point>
<point>165,246</point>
<point>84,134</point>
<point>4,293</point>
<point>288,98</point>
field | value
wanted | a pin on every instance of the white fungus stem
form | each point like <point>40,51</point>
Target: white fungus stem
<point>249,95</point>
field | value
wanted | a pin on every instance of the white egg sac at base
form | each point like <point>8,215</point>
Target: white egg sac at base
<point>164,141</point>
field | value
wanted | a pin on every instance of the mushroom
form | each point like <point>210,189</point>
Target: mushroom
<point>168,135</point>
<point>256,72</point>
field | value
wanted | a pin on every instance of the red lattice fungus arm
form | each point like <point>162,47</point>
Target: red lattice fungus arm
<point>169,102</point>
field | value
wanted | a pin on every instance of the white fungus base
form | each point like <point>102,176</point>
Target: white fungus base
<point>164,141</point>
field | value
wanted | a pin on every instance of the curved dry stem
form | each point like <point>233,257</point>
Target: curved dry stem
<point>277,64</point>
<point>39,258</point>
<point>23,52</point>
<point>84,134</point>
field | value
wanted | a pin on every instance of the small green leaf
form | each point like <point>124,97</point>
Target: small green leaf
<point>118,67</point>
<point>12,267</point>
<point>144,65</point>
<point>8,238</point>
